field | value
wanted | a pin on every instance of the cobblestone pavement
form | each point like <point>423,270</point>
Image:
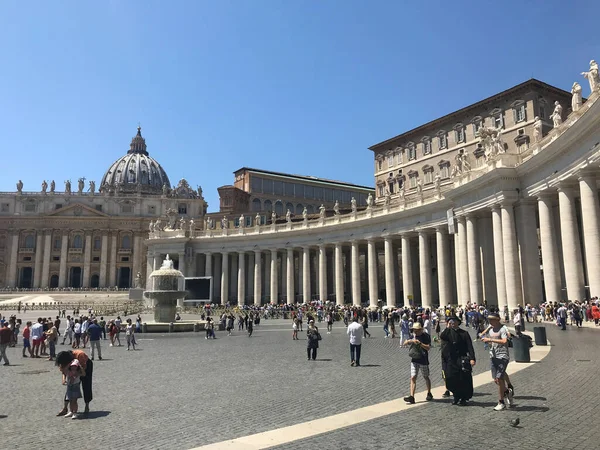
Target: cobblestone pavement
<point>181,391</point>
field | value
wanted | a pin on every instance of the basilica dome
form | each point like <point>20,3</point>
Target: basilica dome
<point>135,172</point>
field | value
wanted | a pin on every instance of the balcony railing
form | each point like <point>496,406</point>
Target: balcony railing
<point>124,251</point>
<point>76,250</point>
<point>26,250</point>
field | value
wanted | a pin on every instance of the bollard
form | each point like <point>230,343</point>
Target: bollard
<point>171,327</point>
<point>521,348</point>
<point>196,327</point>
<point>540,335</point>
<point>144,327</point>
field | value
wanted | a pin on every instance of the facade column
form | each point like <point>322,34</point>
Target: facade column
<point>241,287</point>
<point>514,291</point>
<point>499,258</point>
<point>372,272</point>
<point>183,270</point>
<point>44,281</point>
<point>530,255</point>
<point>322,273</point>
<point>591,238</point>
<point>571,245</point>
<point>224,278</point>
<point>425,269</point>
<point>550,265</point>
<point>443,266</point>
<point>39,248</point>
<point>208,271</point>
<point>112,265</point>
<point>339,276</point>
<point>282,269</point>
<point>257,277</point>
<point>464,291</point>
<point>233,276</point>
<point>149,269</point>
<point>87,260</point>
<point>104,260</point>
<point>474,260</point>
<point>390,280</point>
<point>306,274</point>
<point>137,256</point>
<point>12,266</point>
<point>62,273</point>
<point>290,286</point>
<point>407,275</point>
<point>355,269</point>
<point>250,278</point>
<point>274,285</point>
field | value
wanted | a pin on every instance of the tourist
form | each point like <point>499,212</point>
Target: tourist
<point>250,327</point>
<point>77,334</point>
<point>595,313</point>
<point>419,353</point>
<point>26,341</point>
<point>102,325</point>
<point>295,329</point>
<point>240,322</point>
<point>313,337</point>
<point>230,321</point>
<point>118,330</point>
<point>94,333</point>
<point>112,332</point>
<point>517,322</point>
<point>329,319</point>
<point>392,326</point>
<point>52,337</point>
<point>387,319</point>
<point>72,376</point>
<point>404,329</point>
<point>37,336</point>
<point>63,361</point>
<point>84,327</point>
<point>68,331</point>
<point>5,338</point>
<point>458,358</point>
<point>365,325</point>
<point>208,327</point>
<point>129,335</point>
<point>497,336</point>
<point>355,331</point>
<point>561,315</point>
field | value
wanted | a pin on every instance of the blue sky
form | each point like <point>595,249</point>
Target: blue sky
<point>294,86</point>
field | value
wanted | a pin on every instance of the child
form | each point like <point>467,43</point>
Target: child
<point>129,334</point>
<point>26,343</point>
<point>295,330</point>
<point>72,378</point>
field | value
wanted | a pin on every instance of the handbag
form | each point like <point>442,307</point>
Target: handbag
<point>415,351</point>
<point>319,336</point>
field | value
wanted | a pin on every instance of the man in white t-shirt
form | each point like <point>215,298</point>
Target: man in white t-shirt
<point>355,332</point>
<point>496,336</point>
<point>37,336</point>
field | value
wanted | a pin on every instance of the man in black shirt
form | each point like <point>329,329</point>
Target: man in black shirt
<point>419,353</point>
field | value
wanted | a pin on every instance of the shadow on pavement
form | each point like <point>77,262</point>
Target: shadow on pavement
<point>97,414</point>
<point>3,417</point>
<point>529,397</point>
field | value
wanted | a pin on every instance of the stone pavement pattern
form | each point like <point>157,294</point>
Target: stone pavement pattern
<point>181,391</point>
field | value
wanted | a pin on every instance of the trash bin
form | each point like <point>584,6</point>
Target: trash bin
<point>196,327</point>
<point>540,335</point>
<point>521,348</point>
<point>144,327</point>
<point>171,327</point>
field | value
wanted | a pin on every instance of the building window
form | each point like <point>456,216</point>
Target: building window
<point>151,209</point>
<point>413,178</point>
<point>444,171</point>
<point>476,125</point>
<point>182,208</point>
<point>56,258</point>
<point>57,242</point>
<point>127,208</point>
<point>77,241</point>
<point>459,133</point>
<point>98,208</point>
<point>412,153</point>
<point>96,259</point>
<point>97,243</point>
<point>278,187</point>
<point>381,190</point>
<point>390,186</point>
<point>256,206</point>
<point>428,177</point>
<point>443,141</point>
<point>497,120</point>
<point>236,222</point>
<point>379,164</point>
<point>30,207</point>
<point>520,115</point>
<point>400,152</point>
<point>390,161</point>
<point>248,221</point>
<point>58,206</point>
<point>29,241</point>
<point>124,258</point>
<point>268,206</point>
<point>267,186</point>
<point>542,112</point>
<point>126,242</point>
<point>255,184</point>
<point>426,146</point>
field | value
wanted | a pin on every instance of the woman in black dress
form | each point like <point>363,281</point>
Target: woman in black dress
<point>458,359</point>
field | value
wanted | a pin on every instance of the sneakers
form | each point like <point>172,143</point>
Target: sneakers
<point>429,397</point>
<point>446,394</point>
<point>69,414</point>
<point>74,416</point>
<point>509,397</point>
<point>352,363</point>
<point>410,400</point>
<point>500,407</point>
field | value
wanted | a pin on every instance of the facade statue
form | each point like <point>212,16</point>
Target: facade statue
<point>210,223</point>
<point>68,186</point>
<point>151,227</point>
<point>257,220</point>
<point>224,223</point>
<point>370,200</point>
<point>592,76</point>
<point>273,217</point>
<point>242,221</point>
<point>138,280</point>
<point>167,264</point>
<point>44,186</point>
<point>182,224</point>
<point>92,187</point>
<point>402,190</point>
<point>419,188</point>
<point>199,188</point>
<point>491,138</point>
<point>20,186</point>
<point>336,208</point>
<point>388,197</point>
<point>305,214</point>
<point>192,226</point>
<point>52,186</point>
<point>537,129</point>
<point>556,114</point>
<point>165,189</point>
<point>80,185</point>
<point>576,100</point>
<point>353,204</point>
<point>158,225</point>
<point>437,183</point>
<point>171,218</point>
<point>288,216</point>
<point>322,211</point>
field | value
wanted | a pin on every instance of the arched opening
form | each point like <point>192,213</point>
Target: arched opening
<point>256,206</point>
<point>29,241</point>
<point>299,208</point>
<point>54,281</point>
<point>290,207</point>
<point>77,241</point>
<point>126,241</point>
<point>26,278</point>
<point>268,206</point>
<point>75,277</point>
<point>310,209</point>
<point>279,208</point>
<point>124,277</point>
<point>95,281</point>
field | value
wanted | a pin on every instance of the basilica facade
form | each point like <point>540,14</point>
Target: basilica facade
<point>496,203</point>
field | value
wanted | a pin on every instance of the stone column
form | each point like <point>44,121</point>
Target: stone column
<point>112,266</point>
<point>322,273</point>
<point>149,269</point>
<point>425,268</point>
<point>499,257</point>
<point>390,280</point>
<point>46,263</point>
<point>274,285</point>
<point>14,257</point>
<point>407,275</point>
<point>443,265</point>
<point>290,287</point>
<point>103,260</point>
<point>138,251</point>
<point>550,264</point>
<point>372,272</point>
<point>339,276</point>
<point>571,245</point>
<point>37,270</point>
<point>356,300</point>
<point>224,278</point>
<point>530,256</point>
<point>250,278</point>
<point>257,277</point>
<point>87,260</point>
<point>514,292</point>
<point>464,291</point>
<point>241,287</point>
<point>208,271</point>
<point>183,270</point>
<point>233,276</point>
<point>62,273</point>
<point>591,221</point>
<point>306,275</point>
<point>474,260</point>
<point>282,280</point>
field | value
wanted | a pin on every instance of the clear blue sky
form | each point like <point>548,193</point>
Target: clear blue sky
<point>294,86</point>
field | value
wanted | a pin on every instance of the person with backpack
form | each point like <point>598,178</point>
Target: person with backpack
<point>419,354</point>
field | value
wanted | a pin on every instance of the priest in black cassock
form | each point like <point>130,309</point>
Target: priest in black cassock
<point>458,359</point>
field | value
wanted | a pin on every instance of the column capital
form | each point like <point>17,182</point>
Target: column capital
<point>546,195</point>
<point>587,173</point>
<point>566,186</point>
<point>424,232</point>
<point>442,229</point>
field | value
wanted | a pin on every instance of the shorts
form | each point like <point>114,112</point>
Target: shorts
<point>37,342</point>
<point>415,367</point>
<point>498,366</point>
<point>26,343</point>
